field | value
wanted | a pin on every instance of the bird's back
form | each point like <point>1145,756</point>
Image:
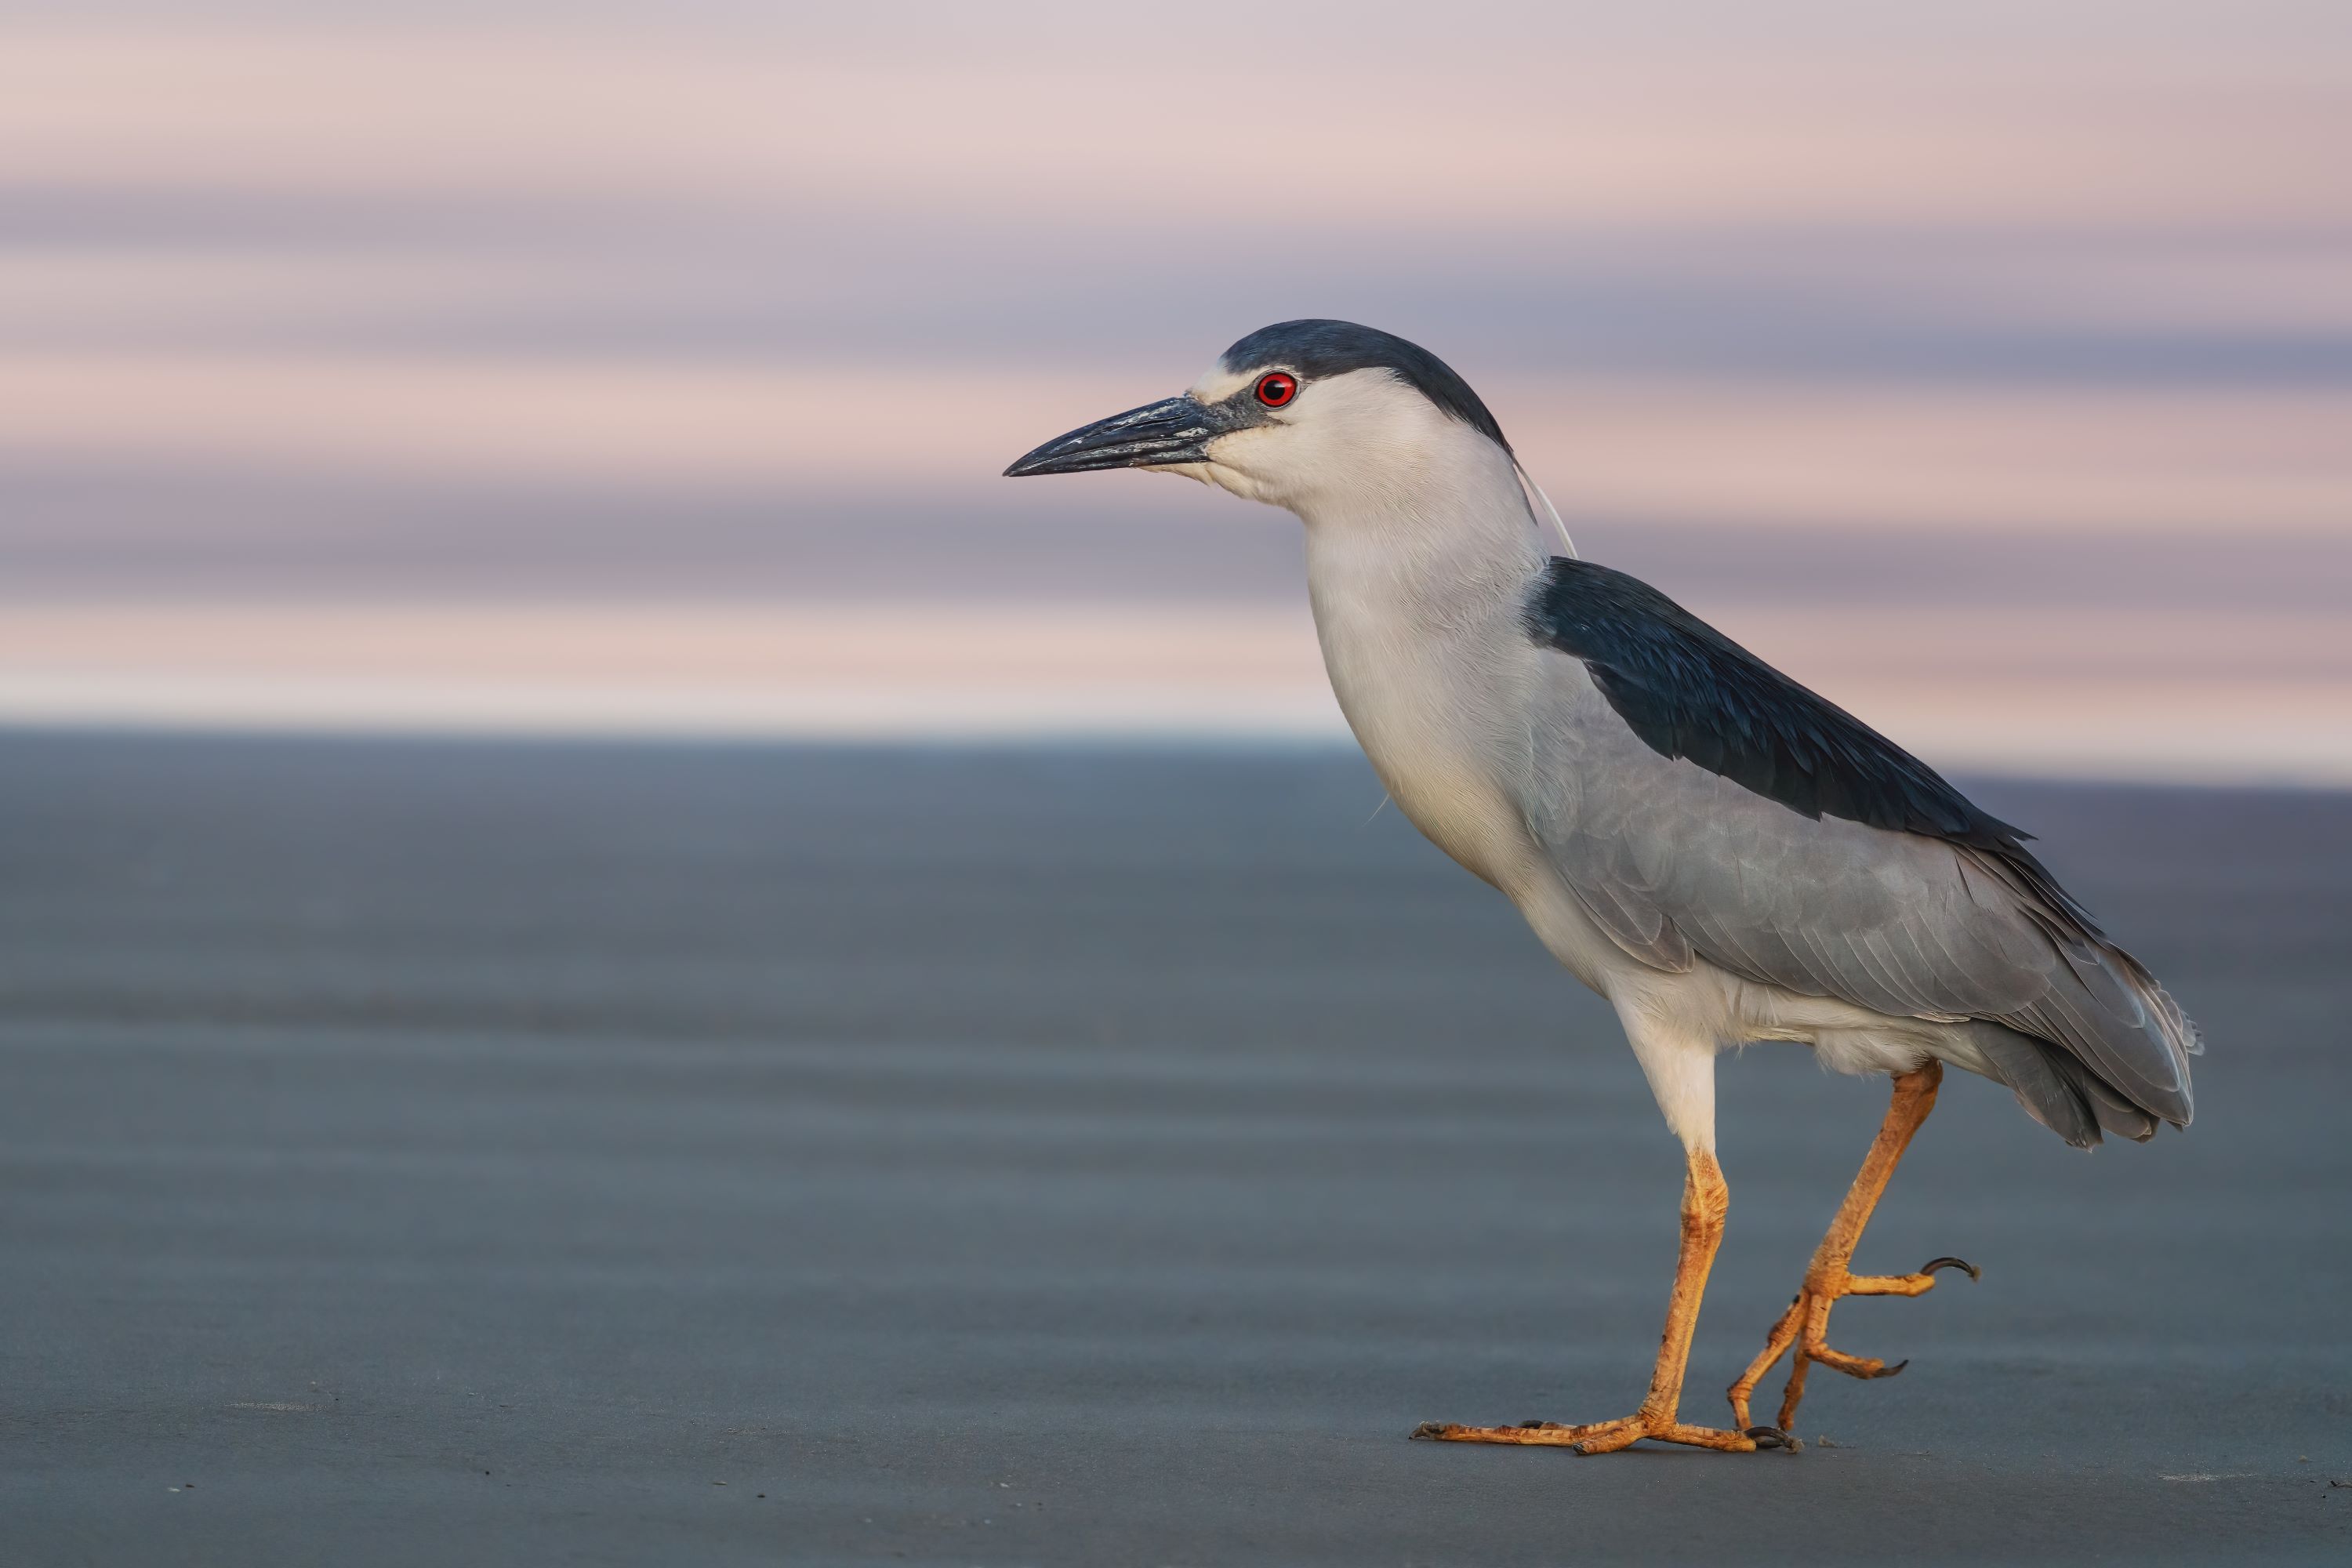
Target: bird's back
<point>1703,807</point>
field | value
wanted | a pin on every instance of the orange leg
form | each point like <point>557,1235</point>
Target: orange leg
<point>1806,1322</point>
<point>1706,1198</point>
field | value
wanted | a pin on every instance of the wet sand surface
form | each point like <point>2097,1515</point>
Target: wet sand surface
<point>464,1153</point>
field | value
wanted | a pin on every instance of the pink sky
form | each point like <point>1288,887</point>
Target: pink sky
<point>1860,332</point>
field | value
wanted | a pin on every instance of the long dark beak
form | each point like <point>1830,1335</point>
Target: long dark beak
<point>1175,430</point>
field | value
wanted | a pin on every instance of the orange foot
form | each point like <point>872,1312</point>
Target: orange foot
<point>1603,1437</point>
<point>1705,1197</point>
<point>1806,1323</point>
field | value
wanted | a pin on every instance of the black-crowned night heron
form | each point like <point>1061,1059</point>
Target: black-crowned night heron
<point>1720,853</point>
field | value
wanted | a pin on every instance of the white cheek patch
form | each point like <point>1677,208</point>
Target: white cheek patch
<point>1237,446</point>
<point>1229,467</point>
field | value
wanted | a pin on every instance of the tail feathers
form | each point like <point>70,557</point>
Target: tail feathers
<point>2120,1028</point>
<point>2059,1091</point>
<point>2048,1093</point>
<point>2104,1048</point>
<point>2116,1114</point>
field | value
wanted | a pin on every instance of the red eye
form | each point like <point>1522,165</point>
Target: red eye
<point>1276,389</point>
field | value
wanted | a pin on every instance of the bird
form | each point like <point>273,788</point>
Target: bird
<point>1725,856</point>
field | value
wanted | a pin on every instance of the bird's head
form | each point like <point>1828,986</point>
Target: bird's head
<point>1300,414</point>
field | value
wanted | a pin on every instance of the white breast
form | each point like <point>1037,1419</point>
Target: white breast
<point>1431,675</point>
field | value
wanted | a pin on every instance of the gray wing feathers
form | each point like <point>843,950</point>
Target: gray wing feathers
<point>1620,896</point>
<point>1672,859</point>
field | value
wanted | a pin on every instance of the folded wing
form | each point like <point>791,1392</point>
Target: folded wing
<point>1697,801</point>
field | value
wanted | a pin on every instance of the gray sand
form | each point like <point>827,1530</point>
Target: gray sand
<point>447,1153</point>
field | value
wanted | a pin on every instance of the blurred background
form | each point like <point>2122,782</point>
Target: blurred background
<point>575,1149</point>
<point>520,367</point>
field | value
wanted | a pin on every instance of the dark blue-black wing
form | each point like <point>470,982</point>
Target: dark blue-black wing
<point>1689,691</point>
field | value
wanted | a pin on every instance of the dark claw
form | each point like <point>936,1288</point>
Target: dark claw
<point>1892,1371</point>
<point>1428,1431</point>
<point>1772,1438</point>
<point>1973,1271</point>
